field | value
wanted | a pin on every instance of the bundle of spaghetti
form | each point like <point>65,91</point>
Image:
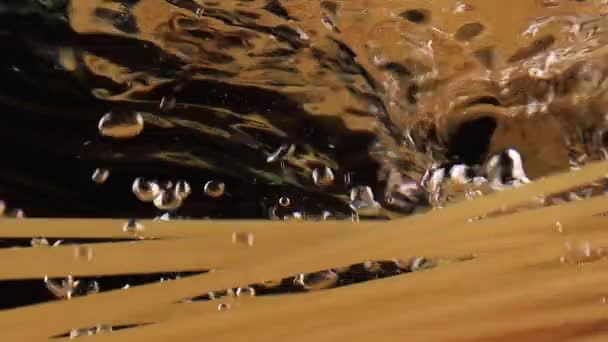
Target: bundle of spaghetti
<point>525,280</point>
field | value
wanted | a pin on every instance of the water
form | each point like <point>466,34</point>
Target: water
<point>301,100</point>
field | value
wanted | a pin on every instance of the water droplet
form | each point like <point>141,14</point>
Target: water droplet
<point>323,176</point>
<point>183,189</point>
<point>168,200</point>
<point>145,191</point>
<point>214,188</point>
<point>167,103</point>
<point>325,215</point>
<point>83,253</point>
<point>284,201</point>
<point>243,238</point>
<point>121,125</point>
<point>223,307</point>
<point>318,280</point>
<point>100,176</point>
<point>245,291</point>
<point>132,227</point>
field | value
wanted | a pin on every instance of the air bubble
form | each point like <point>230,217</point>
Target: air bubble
<point>145,191</point>
<point>559,227</point>
<point>372,266</point>
<point>419,264</point>
<point>168,200</point>
<point>183,189</point>
<point>121,125</point>
<point>284,201</point>
<point>214,188</point>
<point>318,280</point>
<point>167,103</point>
<point>16,213</point>
<point>362,201</point>
<point>282,153</point>
<point>39,242</point>
<point>240,238</point>
<point>582,253</point>
<point>83,253</point>
<point>100,176</point>
<point>65,289</point>
<point>103,328</point>
<point>506,170</point>
<point>164,217</point>
<point>460,7</point>
<point>245,292</point>
<point>323,176</point>
<point>223,307</point>
<point>75,333</point>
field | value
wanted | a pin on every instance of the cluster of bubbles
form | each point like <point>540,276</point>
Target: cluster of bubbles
<point>70,287</point>
<point>12,213</point>
<point>438,186</point>
<point>166,197</point>
<point>326,279</point>
<point>501,171</point>
<point>98,329</point>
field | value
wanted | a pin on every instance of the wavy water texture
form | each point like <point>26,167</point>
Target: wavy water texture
<point>376,91</point>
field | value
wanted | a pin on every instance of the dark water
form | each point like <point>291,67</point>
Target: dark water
<point>221,127</point>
